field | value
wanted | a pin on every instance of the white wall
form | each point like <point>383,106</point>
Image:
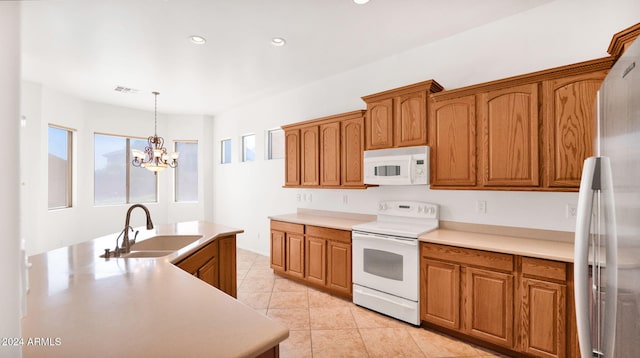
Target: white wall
<point>554,34</point>
<point>45,229</point>
<point>10,258</point>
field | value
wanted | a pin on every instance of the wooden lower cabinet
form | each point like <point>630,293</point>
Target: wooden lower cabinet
<point>318,256</point>
<point>512,303</point>
<point>227,273</point>
<point>215,264</point>
<point>489,306</point>
<point>339,267</point>
<point>295,255</point>
<point>441,292</point>
<point>543,313</point>
<point>209,272</point>
<point>316,260</point>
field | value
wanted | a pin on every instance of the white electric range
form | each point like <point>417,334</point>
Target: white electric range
<point>386,266</point>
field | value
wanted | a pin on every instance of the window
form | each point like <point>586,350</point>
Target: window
<point>249,148</point>
<point>116,181</point>
<point>275,144</point>
<point>59,167</point>
<point>225,147</point>
<point>187,172</point>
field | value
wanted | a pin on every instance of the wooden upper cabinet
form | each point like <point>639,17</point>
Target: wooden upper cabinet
<point>309,156</point>
<point>569,124</point>
<point>453,142</point>
<point>352,170</point>
<point>379,124</point>
<point>330,154</point>
<point>398,117</point>
<point>292,157</point>
<point>510,125</point>
<point>326,152</point>
<point>410,126</point>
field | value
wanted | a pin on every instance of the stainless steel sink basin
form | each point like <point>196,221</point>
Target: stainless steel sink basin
<point>164,243</point>
<point>148,253</point>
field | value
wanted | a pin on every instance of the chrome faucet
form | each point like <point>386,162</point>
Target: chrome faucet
<point>126,244</point>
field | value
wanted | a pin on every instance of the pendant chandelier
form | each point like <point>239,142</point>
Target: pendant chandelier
<point>155,156</point>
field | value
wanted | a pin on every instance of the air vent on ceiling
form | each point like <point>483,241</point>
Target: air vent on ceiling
<point>123,89</point>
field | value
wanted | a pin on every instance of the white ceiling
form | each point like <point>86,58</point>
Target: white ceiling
<point>88,47</point>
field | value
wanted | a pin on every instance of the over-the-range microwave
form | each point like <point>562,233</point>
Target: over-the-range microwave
<point>397,166</point>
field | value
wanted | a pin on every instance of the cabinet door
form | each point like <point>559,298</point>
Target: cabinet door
<point>440,293</point>
<point>352,152</point>
<point>339,267</point>
<point>410,124</point>
<point>278,250</point>
<point>295,254</point>
<point>510,136</point>
<point>330,154</point>
<point>316,260</point>
<point>309,156</point>
<point>489,306</point>
<point>570,124</point>
<point>379,124</point>
<point>209,272</point>
<point>543,316</point>
<point>453,142</point>
<point>292,157</point>
<point>227,265</point>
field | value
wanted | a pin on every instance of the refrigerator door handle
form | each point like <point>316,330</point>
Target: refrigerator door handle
<point>611,263</point>
<point>589,183</point>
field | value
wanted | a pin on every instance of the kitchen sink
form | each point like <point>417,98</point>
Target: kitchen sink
<point>147,253</point>
<point>163,243</point>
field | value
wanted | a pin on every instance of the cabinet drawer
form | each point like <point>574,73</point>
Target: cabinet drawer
<point>544,269</point>
<point>479,258</point>
<point>287,227</point>
<point>327,233</point>
<point>194,262</point>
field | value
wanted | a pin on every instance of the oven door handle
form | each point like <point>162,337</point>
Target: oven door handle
<point>383,299</point>
<point>369,236</point>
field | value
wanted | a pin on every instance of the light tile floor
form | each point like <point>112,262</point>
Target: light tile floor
<point>322,325</point>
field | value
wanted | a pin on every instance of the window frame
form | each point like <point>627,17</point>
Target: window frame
<point>128,166</point>
<point>269,142</point>
<point>244,148</point>
<point>175,172</point>
<point>70,167</point>
<point>223,151</point>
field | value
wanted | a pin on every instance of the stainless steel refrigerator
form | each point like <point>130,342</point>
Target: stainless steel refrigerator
<point>607,241</point>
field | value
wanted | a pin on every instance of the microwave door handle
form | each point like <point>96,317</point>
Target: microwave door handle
<point>590,173</point>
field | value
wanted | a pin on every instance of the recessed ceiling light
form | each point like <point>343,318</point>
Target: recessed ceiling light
<point>278,41</point>
<point>198,40</point>
<point>360,2</point>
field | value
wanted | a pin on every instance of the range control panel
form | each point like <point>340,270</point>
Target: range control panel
<point>413,209</point>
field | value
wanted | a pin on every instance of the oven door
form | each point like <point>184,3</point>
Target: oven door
<point>386,263</point>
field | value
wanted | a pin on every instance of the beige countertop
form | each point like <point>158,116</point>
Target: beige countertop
<point>138,307</point>
<point>551,245</point>
<point>543,249</point>
<point>330,219</point>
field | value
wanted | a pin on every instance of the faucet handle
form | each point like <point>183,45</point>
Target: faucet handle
<point>134,237</point>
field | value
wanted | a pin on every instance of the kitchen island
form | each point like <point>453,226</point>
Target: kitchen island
<point>81,304</point>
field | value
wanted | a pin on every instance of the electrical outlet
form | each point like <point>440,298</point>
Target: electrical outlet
<point>481,206</point>
<point>571,211</point>
<point>299,197</point>
<point>345,199</point>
